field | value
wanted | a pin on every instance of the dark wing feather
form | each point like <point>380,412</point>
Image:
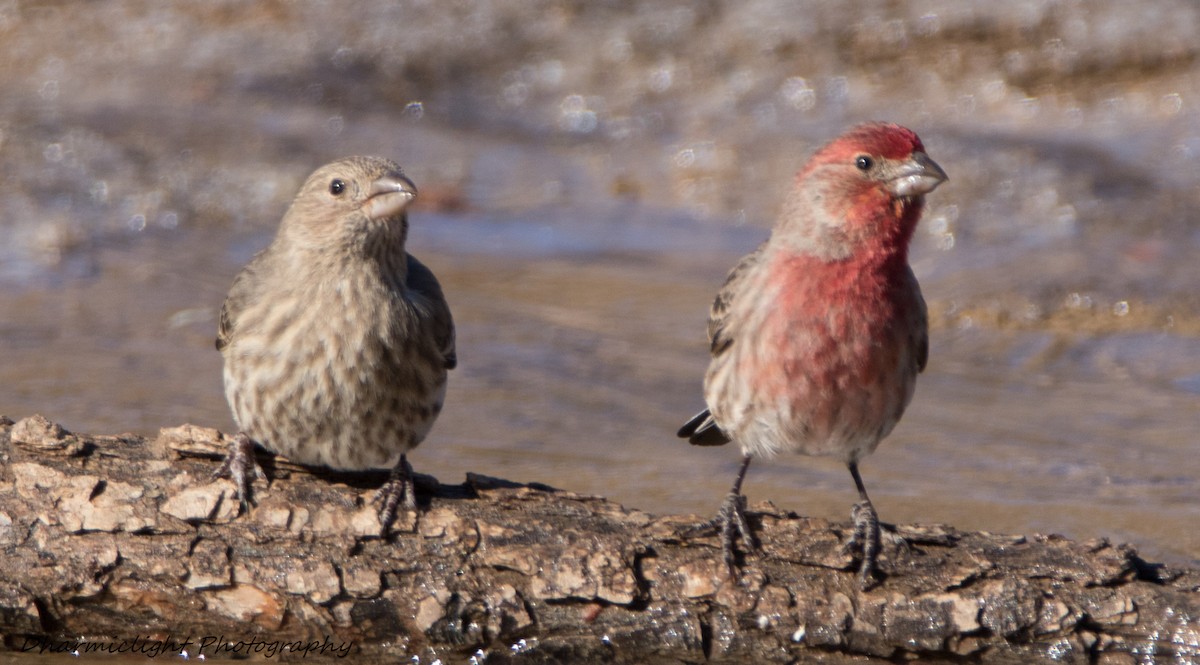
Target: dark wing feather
<point>702,430</point>
<point>718,335</point>
<point>918,322</point>
<point>239,293</point>
<point>422,282</point>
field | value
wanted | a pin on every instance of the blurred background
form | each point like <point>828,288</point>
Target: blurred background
<point>589,171</point>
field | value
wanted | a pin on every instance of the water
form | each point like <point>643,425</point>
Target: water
<point>588,174</point>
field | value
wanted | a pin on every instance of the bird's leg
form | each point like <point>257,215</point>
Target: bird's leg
<point>866,532</point>
<point>398,488</point>
<point>731,522</point>
<point>241,467</point>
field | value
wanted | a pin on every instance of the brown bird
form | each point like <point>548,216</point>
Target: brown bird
<point>336,341</point>
<point>817,337</point>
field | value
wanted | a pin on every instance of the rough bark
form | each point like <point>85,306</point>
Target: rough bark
<point>129,543</point>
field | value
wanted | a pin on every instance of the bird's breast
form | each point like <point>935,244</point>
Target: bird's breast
<point>340,375</point>
<point>825,364</point>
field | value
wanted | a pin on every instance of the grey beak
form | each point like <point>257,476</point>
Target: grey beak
<point>388,196</point>
<point>915,176</point>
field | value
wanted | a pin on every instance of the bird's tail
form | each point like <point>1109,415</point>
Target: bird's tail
<point>702,430</point>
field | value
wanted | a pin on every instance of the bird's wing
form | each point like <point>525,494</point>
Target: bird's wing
<point>421,282</point>
<point>702,429</point>
<point>234,302</point>
<point>719,335</point>
<point>918,322</point>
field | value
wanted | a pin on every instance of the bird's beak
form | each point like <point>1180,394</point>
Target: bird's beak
<point>915,176</point>
<point>388,196</point>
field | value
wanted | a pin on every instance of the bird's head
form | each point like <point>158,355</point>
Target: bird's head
<point>357,203</point>
<point>865,187</point>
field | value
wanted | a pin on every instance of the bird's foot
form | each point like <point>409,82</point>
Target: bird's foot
<point>863,544</point>
<point>242,468</point>
<point>398,490</point>
<point>734,526</point>
<point>731,525</point>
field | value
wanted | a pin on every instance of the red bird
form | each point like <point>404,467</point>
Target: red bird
<point>819,334</point>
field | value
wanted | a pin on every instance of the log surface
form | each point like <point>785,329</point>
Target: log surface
<point>112,541</point>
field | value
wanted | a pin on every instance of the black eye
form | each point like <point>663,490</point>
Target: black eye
<point>337,186</point>
<point>864,163</point>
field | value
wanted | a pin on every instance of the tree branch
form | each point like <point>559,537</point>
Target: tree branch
<point>120,539</point>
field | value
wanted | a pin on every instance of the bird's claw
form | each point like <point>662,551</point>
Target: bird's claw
<point>863,544</point>
<point>242,468</point>
<point>731,525</point>
<point>732,517</point>
<point>398,490</point>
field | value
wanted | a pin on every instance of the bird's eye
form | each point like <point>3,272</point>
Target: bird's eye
<point>864,163</point>
<point>337,186</point>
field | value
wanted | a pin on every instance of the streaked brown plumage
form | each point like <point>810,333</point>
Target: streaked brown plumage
<point>336,341</point>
